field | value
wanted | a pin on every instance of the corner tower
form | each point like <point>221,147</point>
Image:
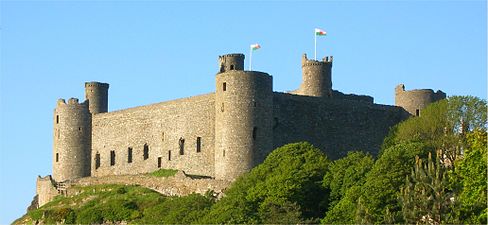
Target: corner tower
<point>243,118</point>
<point>97,95</point>
<point>316,77</point>
<point>72,140</point>
<point>416,100</point>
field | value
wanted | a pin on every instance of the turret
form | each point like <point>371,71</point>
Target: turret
<point>72,140</point>
<point>414,101</point>
<point>316,77</point>
<point>231,62</point>
<point>97,95</point>
<point>243,120</point>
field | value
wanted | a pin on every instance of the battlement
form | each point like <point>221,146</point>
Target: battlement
<point>96,84</point>
<point>233,55</point>
<point>401,88</point>
<point>311,62</point>
<point>72,102</point>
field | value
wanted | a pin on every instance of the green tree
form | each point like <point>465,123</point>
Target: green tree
<point>471,174</point>
<point>424,197</point>
<point>383,182</point>
<point>291,175</point>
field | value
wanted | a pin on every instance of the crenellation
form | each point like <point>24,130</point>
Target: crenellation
<point>221,134</point>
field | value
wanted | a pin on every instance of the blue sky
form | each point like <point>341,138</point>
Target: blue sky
<point>158,50</point>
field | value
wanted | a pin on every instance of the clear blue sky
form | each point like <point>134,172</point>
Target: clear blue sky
<point>155,51</point>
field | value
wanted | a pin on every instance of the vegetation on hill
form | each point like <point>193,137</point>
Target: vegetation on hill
<point>431,169</point>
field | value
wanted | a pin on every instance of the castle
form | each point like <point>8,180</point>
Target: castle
<point>222,134</point>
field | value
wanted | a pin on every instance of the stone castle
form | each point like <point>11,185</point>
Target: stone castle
<point>222,134</point>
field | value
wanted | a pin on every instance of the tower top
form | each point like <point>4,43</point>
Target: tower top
<point>327,60</point>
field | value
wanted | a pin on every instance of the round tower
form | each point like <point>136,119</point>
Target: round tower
<point>414,101</point>
<point>97,95</point>
<point>316,77</point>
<point>243,120</point>
<point>231,62</point>
<point>72,140</point>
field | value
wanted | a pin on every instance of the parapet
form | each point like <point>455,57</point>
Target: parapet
<point>71,102</point>
<point>311,62</point>
<point>96,84</point>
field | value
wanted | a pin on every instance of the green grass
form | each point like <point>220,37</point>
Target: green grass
<point>164,173</point>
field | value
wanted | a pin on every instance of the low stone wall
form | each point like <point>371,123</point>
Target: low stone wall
<point>178,185</point>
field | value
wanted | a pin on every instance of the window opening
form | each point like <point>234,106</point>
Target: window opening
<point>57,157</point>
<point>222,107</point>
<point>417,112</point>
<point>224,86</point>
<point>57,118</point>
<point>254,133</point>
<point>159,162</point>
<point>112,158</point>
<point>223,153</point>
<point>169,155</point>
<point>146,152</point>
<point>97,160</point>
<point>231,67</point>
<point>199,144</point>
<point>129,155</point>
<point>182,146</point>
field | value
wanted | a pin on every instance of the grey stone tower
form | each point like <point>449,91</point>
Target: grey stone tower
<point>72,140</point>
<point>231,62</point>
<point>97,95</point>
<point>415,100</point>
<point>243,120</point>
<point>316,77</point>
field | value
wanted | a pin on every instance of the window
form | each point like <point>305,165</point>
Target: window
<point>129,155</point>
<point>222,107</point>
<point>254,133</point>
<point>199,144</point>
<point>57,157</point>
<point>231,67</point>
<point>169,155</point>
<point>57,119</point>
<point>224,86</point>
<point>417,112</point>
<point>146,152</point>
<point>97,160</point>
<point>79,128</point>
<point>112,158</point>
<point>182,146</point>
<point>223,153</point>
<point>159,162</point>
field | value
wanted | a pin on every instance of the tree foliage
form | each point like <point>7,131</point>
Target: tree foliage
<point>425,198</point>
<point>381,188</point>
<point>287,186</point>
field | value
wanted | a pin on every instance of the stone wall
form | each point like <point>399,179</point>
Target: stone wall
<point>334,126</point>
<point>162,127</point>
<point>45,190</point>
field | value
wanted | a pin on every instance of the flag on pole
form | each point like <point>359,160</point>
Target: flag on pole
<point>320,32</point>
<point>255,46</point>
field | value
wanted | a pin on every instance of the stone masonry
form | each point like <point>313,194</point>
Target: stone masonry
<point>222,134</point>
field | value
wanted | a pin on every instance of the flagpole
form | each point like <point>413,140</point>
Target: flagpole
<point>250,58</point>
<point>315,46</point>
